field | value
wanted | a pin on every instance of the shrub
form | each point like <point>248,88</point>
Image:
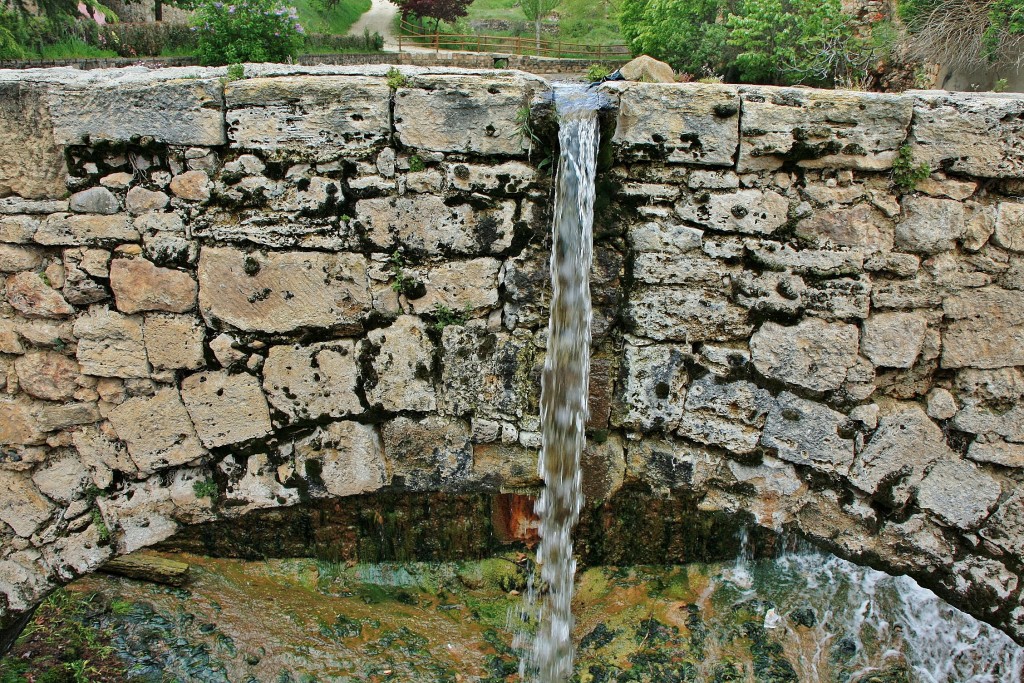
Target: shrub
<point>150,38</point>
<point>597,72</point>
<point>248,31</point>
<point>9,48</point>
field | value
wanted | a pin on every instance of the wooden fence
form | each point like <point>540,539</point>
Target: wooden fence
<point>411,34</point>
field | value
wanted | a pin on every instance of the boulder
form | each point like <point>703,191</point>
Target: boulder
<point>647,70</point>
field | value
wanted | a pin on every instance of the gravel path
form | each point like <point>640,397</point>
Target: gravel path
<point>380,18</point>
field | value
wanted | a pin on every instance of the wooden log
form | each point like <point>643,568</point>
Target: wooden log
<point>146,567</point>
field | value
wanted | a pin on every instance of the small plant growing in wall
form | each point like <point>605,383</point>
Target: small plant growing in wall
<point>236,72</point>
<point>905,173</point>
<point>205,489</point>
<point>597,72</point>
<point>444,316</point>
<point>416,164</point>
<point>402,282</point>
<point>395,79</point>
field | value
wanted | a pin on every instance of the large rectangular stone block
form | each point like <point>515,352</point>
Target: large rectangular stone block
<point>31,163</point>
<point>325,114</point>
<point>694,123</point>
<point>821,128</point>
<point>987,329</point>
<point>974,134</point>
<point>180,111</point>
<point>466,113</point>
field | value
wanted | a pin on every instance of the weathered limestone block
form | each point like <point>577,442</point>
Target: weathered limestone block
<point>77,553</point>
<point>140,515</point>
<point>603,466</point>
<point>486,373</point>
<point>426,224</point>
<point>255,485</point>
<point>821,129</point>
<point>895,459</point>
<point>1002,384</point>
<point>157,431</point>
<point>750,212</point>
<point>989,448</point>
<point>691,315</point>
<point>1005,528</point>
<point>1009,232</point>
<point>941,404</point>
<point>665,237</point>
<point>32,297</point>
<point>342,459</point>
<point>930,225</point>
<point>141,286</point>
<point>511,177</point>
<point>966,134</point>
<point>893,340</point>
<point>402,357</point>
<point>282,291</point>
<point>668,465</point>
<point>778,490</point>
<point>174,111</point>
<point>312,382</point>
<point>696,123</point>
<point>140,200</point>
<point>94,200</point>
<point>812,354</point>
<point>14,258</point>
<point>429,454</point>
<point>85,229</point>
<point>977,418</point>
<point>191,185</point>
<point>958,492</point>
<point>18,229</point>
<point>497,465</point>
<point>725,414</point>
<point>465,286</point>
<point>18,425</point>
<point>24,581</point>
<point>61,480</point>
<point>654,388</point>
<point>174,342</point>
<point>823,262</point>
<point>225,408</point>
<point>694,269</point>
<point>50,417</point>
<point>111,344</point>
<point>102,455</point>
<point>31,162</point>
<point>807,433</point>
<point>527,288</point>
<point>987,329</point>
<point>22,507</point>
<point>468,114</point>
<point>327,115</point>
<point>48,375</point>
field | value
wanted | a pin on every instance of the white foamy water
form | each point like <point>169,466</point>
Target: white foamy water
<point>563,404</point>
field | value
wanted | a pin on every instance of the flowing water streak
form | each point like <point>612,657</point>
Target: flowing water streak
<point>563,404</point>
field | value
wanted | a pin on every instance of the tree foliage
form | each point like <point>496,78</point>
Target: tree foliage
<point>246,31</point>
<point>438,10</point>
<point>757,41</point>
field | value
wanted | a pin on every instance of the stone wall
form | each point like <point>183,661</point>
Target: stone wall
<point>222,297</point>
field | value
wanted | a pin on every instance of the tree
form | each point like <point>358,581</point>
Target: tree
<point>438,10</point>
<point>687,34</point>
<point>536,10</point>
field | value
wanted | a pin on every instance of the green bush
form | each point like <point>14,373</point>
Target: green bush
<point>9,47</point>
<point>248,31</point>
<point>147,39</point>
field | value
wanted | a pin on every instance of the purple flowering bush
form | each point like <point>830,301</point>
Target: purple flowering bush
<point>246,31</point>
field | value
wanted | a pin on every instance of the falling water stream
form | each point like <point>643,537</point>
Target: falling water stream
<point>563,404</point>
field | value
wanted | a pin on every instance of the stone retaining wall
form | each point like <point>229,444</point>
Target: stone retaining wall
<point>221,297</point>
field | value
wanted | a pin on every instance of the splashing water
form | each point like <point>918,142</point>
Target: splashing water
<point>563,404</point>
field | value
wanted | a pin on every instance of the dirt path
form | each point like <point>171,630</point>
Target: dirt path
<point>380,18</point>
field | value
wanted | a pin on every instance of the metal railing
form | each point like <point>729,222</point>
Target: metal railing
<point>411,34</point>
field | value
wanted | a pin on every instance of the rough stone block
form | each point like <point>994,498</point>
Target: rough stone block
<point>429,454</point>
<point>31,161</point>
<point>821,128</point>
<point>87,229</point>
<point>111,344</point>
<point>812,354</point>
<point>157,431</point>
<point>958,492</point>
<point>750,212</point>
<point>33,298</point>
<point>486,373</point>
<point>695,123</point>
<point>807,433</point>
<point>47,375</point>
<point>654,388</point>
<point>893,340</point>
<point>22,507</point>
<point>139,285</point>
<point>725,414</point>
<point>226,409</point>
<point>969,134</point>
<point>174,111</point>
<point>312,382</point>
<point>282,291</point>
<point>467,114</point>
<point>861,226</point>
<point>987,329</point>
<point>174,342</point>
<point>349,457</point>
<point>469,287</point>
<point>930,225</point>
<point>696,314</point>
<point>426,224</point>
<point>402,356</point>
<point>326,115</point>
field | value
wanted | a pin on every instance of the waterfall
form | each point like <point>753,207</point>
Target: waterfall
<point>563,404</point>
